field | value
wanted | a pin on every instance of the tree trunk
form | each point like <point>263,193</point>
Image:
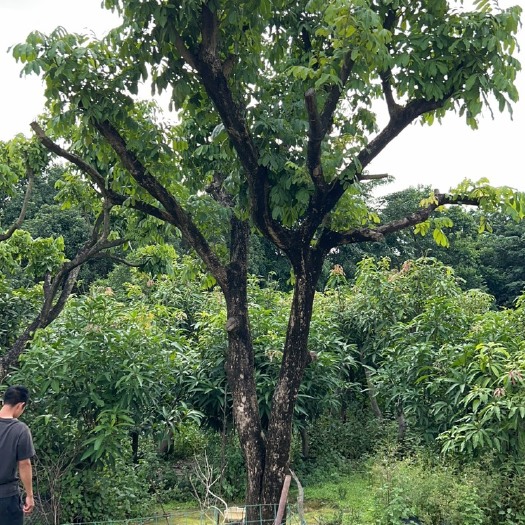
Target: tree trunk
<point>295,360</point>
<point>401,423</point>
<point>135,446</point>
<point>240,362</point>
<point>49,311</point>
<point>11,356</point>
<point>305,443</point>
<point>371,389</point>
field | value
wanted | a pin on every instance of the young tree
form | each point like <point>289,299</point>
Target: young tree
<point>277,127</point>
<point>42,259</point>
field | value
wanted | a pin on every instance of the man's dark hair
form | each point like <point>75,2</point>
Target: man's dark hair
<point>16,394</point>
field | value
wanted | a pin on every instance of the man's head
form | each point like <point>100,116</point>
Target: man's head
<point>16,397</point>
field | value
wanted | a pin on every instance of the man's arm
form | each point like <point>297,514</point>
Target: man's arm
<point>25,472</point>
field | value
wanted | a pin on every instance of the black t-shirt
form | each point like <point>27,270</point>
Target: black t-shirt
<point>16,444</point>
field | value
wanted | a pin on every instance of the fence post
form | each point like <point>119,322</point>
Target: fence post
<point>282,501</point>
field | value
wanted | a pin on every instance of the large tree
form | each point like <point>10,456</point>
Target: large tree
<point>276,104</point>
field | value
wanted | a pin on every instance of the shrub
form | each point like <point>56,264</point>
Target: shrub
<point>336,446</point>
<point>96,494</point>
<point>433,494</point>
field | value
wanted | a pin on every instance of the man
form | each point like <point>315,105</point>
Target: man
<point>16,451</point>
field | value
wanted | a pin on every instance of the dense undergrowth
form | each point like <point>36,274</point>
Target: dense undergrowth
<point>131,413</point>
<point>357,474</point>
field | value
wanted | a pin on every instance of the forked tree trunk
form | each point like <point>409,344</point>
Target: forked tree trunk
<point>266,456</point>
<point>49,311</point>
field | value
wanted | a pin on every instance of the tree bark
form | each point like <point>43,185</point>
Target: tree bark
<point>266,457</point>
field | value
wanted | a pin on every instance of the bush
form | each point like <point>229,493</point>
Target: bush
<point>502,487</point>
<point>336,446</point>
<point>432,494</point>
<point>99,494</point>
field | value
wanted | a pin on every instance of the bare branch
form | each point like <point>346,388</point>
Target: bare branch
<point>207,477</point>
<point>18,223</point>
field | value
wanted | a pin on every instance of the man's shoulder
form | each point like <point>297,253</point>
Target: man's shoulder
<point>23,425</point>
<point>13,423</point>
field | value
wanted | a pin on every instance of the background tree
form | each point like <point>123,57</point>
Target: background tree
<point>500,257</point>
<point>277,127</point>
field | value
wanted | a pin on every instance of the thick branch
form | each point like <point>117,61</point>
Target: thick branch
<point>335,93</point>
<point>330,239</point>
<point>176,214</point>
<point>393,107</point>
<point>396,125</point>
<point>210,29</point>
<point>185,53</point>
<point>69,282</point>
<point>94,175</point>
<point>215,83</point>
<point>30,182</point>
<point>316,134</point>
<point>319,127</point>
<point>373,176</point>
<point>403,118</point>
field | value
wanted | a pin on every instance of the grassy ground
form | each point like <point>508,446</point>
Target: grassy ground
<point>349,501</point>
<point>346,502</point>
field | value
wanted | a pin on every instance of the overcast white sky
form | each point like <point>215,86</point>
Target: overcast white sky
<point>441,155</point>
